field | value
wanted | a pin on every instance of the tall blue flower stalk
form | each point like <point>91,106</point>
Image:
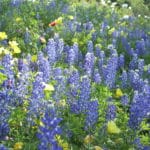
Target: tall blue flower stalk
<point>36,103</point>
<point>92,115</point>
<point>85,93</point>
<point>109,71</point>
<point>49,130</point>
<point>89,63</point>
<point>74,84</point>
<point>140,108</point>
<point>51,51</point>
<point>44,67</point>
<point>60,88</point>
<point>111,112</point>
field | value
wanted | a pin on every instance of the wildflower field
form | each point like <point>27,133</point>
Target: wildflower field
<point>74,75</point>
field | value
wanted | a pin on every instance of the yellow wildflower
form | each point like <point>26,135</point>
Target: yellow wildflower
<point>18,146</point>
<point>70,17</point>
<point>42,40</point>
<point>34,58</point>
<point>59,20</point>
<point>48,87</point>
<point>16,50</point>
<point>111,31</point>
<point>4,51</point>
<point>3,36</point>
<point>112,128</point>
<point>62,103</point>
<point>14,46</point>
<point>97,148</point>
<point>88,139</point>
<point>18,19</point>
<point>118,93</point>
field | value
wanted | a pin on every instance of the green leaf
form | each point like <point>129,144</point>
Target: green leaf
<point>3,77</point>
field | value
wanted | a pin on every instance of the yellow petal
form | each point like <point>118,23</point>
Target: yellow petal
<point>118,93</point>
<point>34,58</point>
<point>70,17</point>
<point>13,44</point>
<point>97,148</point>
<point>49,87</point>
<point>18,146</point>
<point>112,128</point>
<point>59,20</point>
<point>3,36</point>
<point>16,50</point>
<point>88,139</point>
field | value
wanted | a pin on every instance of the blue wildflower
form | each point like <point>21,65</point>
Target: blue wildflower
<point>111,112</point>
<point>48,131</point>
<point>91,115</point>
<point>89,63</point>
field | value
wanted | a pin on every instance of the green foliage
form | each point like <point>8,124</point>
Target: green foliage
<point>3,77</point>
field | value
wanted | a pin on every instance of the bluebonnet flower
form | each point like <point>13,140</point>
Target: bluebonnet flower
<point>121,61</point>
<point>101,61</point>
<point>126,45</point>
<point>146,88</point>
<point>114,42</point>
<point>36,104</point>
<point>85,92</point>
<point>23,79</point>
<point>90,47</point>
<point>4,42</point>
<point>27,37</point>
<point>51,51</point>
<point>49,130</point>
<point>139,109</point>
<point>76,50</point>
<point>97,51</point>
<point>89,63</point>
<point>8,67</point>
<point>91,115</point>
<point>124,100</point>
<point>146,147</point>
<point>16,3</point>
<point>94,36</point>
<point>44,67</point>
<point>74,82</point>
<point>57,72</point>
<point>78,27</point>
<point>96,76</point>
<point>140,47</point>
<point>59,48</point>
<point>135,81</point>
<point>60,88</point>
<point>52,4</point>
<point>4,130</point>
<point>71,57</point>
<point>116,34</point>
<point>88,26</point>
<point>141,66</point>
<point>134,62</point>
<point>65,9</point>
<point>71,26</point>
<point>20,64</point>
<point>109,72</point>
<point>2,147</point>
<point>124,79</point>
<point>138,144</point>
<point>111,112</point>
